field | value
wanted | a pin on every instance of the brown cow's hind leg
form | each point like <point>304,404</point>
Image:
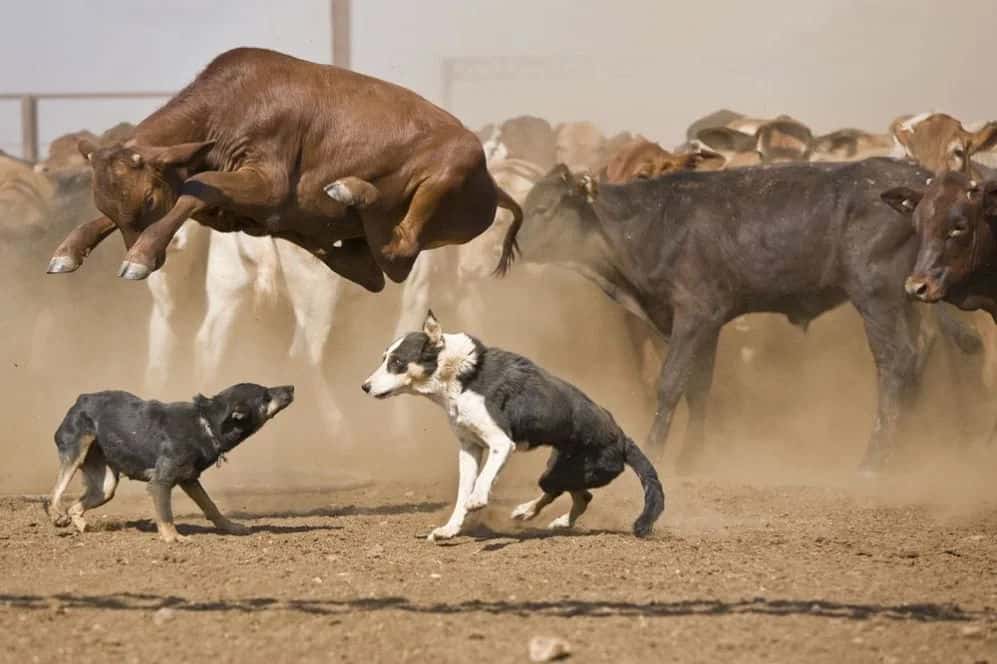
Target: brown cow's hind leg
<point>353,192</point>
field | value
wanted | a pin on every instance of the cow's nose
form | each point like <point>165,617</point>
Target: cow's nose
<point>366,387</point>
<point>916,287</point>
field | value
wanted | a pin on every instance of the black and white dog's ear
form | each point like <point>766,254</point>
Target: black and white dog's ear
<point>432,328</point>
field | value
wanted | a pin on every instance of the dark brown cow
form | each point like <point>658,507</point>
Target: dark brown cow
<point>954,218</point>
<point>361,173</point>
<point>642,159</point>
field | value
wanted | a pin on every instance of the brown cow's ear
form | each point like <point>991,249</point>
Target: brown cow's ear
<point>705,160</point>
<point>86,148</point>
<point>185,154</point>
<point>902,199</point>
<point>984,139</point>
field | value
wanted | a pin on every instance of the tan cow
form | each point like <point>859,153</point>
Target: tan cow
<point>939,142</point>
<point>581,147</point>
<point>643,159</point>
<point>852,145</point>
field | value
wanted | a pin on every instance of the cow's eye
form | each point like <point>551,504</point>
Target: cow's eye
<point>149,203</point>
<point>958,231</point>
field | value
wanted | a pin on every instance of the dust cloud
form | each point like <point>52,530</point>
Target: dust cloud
<point>799,412</point>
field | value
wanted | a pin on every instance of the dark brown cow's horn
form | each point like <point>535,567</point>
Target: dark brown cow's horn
<point>69,256</point>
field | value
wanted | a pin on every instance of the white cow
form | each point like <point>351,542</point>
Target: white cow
<point>243,270</point>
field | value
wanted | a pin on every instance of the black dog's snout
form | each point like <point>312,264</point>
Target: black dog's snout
<point>366,387</point>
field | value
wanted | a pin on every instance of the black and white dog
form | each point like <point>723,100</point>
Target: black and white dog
<point>164,444</point>
<point>498,401</point>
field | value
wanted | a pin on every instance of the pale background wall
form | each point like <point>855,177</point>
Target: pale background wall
<point>639,65</point>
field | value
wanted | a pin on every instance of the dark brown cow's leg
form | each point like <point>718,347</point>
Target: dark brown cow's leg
<point>242,188</point>
<point>691,337</point>
<point>69,255</point>
<point>891,328</point>
<point>696,396</point>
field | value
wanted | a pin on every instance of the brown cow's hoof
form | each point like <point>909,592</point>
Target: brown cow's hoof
<point>133,271</point>
<point>63,264</point>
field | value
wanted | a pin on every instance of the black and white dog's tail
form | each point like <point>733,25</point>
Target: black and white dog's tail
<point>654,495</point>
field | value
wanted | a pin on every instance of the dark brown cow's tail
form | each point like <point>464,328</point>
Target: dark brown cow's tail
<point>510,247</point>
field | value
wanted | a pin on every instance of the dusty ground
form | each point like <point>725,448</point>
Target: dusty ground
<point>740,569</point>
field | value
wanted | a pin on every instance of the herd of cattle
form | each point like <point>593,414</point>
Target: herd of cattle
<point>855,245</point>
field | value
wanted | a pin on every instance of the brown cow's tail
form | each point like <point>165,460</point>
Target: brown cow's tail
<point>510,248</point>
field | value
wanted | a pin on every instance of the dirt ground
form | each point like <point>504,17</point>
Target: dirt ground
<point>739,569</point>
<point>774,552</point>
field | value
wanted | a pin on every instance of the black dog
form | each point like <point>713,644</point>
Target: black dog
<point>164,444</point>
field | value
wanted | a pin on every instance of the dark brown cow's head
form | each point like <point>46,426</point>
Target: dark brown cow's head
<point>954,221</point>
<point>133,186</point>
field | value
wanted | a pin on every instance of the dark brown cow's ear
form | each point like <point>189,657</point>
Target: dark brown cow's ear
<point>86,148</point>
<point>902,199</point>
<point>990,198</point>
<point>588,186</point>
<point>984,139</point>
<point>185,154</point>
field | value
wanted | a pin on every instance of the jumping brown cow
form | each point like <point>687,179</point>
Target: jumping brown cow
<point>362,173</point>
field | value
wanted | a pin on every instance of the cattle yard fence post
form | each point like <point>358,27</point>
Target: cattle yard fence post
<point>29,101</point>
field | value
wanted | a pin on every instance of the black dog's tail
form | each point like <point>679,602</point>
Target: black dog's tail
<point>654,495</point>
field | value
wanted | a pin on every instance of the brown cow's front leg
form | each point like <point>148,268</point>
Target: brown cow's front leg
<point>242,188</point>
<point>69,255</point>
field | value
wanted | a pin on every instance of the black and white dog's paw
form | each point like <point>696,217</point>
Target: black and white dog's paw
<point>563,521</point>
<point>443,533</point>
<point>524,512</point>
<point>476,502</point>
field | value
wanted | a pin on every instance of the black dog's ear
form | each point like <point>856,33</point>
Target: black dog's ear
<point>202,402</point>
<point>902,199</point>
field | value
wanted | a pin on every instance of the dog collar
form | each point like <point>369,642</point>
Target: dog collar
<point>206,426</point>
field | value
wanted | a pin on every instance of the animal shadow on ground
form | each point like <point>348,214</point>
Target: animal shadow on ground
<point>345,510</point>
<point>500,540</point>
<point>567,608</point>
<point>148,526</point>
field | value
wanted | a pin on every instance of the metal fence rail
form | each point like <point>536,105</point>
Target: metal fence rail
<point>29,110</point>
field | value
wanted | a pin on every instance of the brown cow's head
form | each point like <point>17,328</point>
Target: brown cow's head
<point>134,186</point>
<point>642,160</point>
<point>939,142</point>
<point>954,221</point>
